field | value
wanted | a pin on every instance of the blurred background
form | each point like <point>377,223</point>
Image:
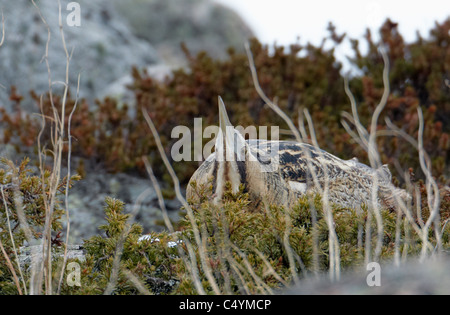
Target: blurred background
<point>286,21</point>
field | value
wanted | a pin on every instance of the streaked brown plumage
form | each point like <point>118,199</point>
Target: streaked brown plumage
<point>279,172</point>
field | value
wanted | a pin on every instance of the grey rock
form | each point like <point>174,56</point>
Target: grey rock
<point>33,254</point>
<point>7,150</point>
<point>119,88</point>
<point>410,278</point>
<point>104,48</point>
<point>113,36</point>
<point>87,201</point>
<point>203,25</point>
<point>30,256</point>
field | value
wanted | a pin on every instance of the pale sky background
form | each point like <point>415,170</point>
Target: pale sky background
<point>283,21</point>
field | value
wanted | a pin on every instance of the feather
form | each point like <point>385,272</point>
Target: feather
<point>279,172</point>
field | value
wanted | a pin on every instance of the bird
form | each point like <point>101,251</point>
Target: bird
<point>280,172</point>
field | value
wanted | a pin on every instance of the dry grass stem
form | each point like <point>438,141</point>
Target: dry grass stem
<point>202,251</point>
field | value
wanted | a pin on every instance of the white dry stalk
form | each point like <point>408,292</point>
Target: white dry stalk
<point>334,249</point>
<point>36,267</point>
<point>13,242</point>
<point>189,266</point>
<point>333,243</point>
<point>269,103</point>
<point>354,136</point>
<point>27,231</point>
<point>11,268</point>
<point>313,211</point>
<point>66,195</point>
<point>288,248</point>
<point>3,30</point>
<point>444,226</point>
<point>270,270</point>
<point>44,272</point>
<point>315,238</point>
<point>431,184</point>
<point>8,261</point>
<point>18,203</point>
<point>202,251</point>
<point>136,282</point>
<point>159,194</point>
<point>432,190</point>
<point>241,270</point>
<point>115,265</point>
<point>362,132</point>
<point>397,239</point>
<point>418,207</point>
<point>376,209</point>
<point>368,240</point>
<point>334,271</point>
<point>368,142</point>
<point>374,157</point>
<point>262,287</point>
<point>402,206</point>
<point>235,266</point>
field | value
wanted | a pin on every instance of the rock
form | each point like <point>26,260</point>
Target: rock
<point>32,255</point>
<point>87,201</point>
<point>412,278</point>
<point>104,47</point>
<point>119,88</point>
<point>200,24</point>
<point>113,37</point>
<point>28,254</point>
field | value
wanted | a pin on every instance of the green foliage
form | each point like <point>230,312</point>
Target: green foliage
<point>146,260</point>
<point>19,184</point>
<point>236,233</point>
<point>247,251</point>
<point>20,188</point>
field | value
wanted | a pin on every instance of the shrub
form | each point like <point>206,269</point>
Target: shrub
<point>116,135</point>
<point>23,214</point>
<point>248,252</point>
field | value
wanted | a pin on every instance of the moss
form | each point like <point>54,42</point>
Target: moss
<point>241,245</point>
<point>276,231</point>
<point>149,261</point>
<point>247,250</point>
<point>20,183</point>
